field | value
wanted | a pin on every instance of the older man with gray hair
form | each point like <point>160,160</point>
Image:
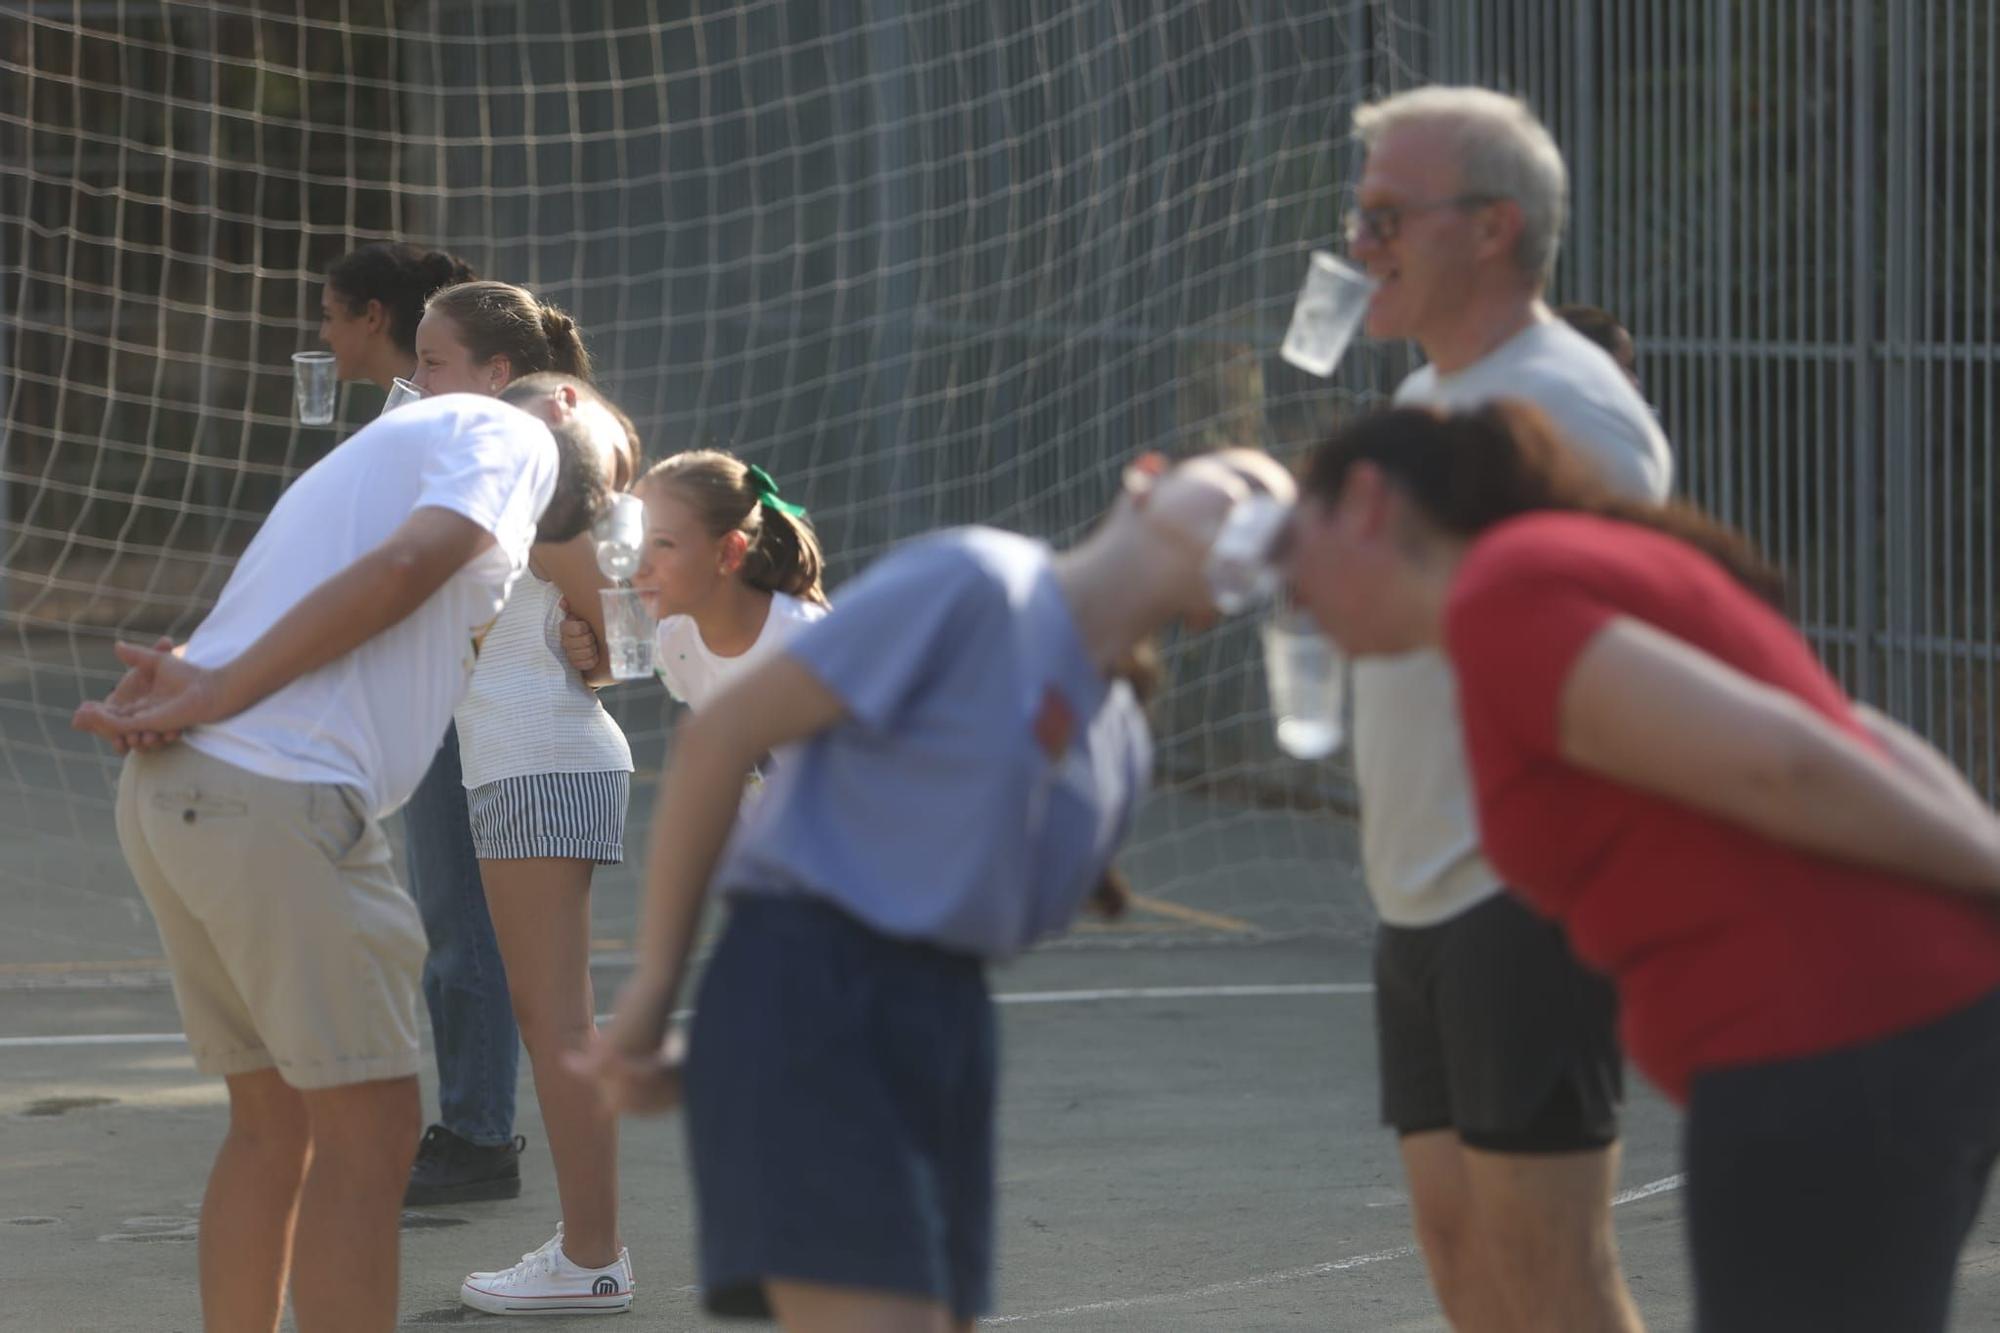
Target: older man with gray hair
<point>1501,1071</point>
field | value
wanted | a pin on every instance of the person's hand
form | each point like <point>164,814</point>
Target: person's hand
<point>129,690</point>
<point>648,1083</point>
<point>636,1069</point>
<point>579,642</point>
<point>160,696</point>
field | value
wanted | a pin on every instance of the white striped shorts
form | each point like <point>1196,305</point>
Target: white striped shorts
<point>575,815</point>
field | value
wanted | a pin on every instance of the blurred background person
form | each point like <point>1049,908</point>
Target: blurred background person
<point>1602,327</point>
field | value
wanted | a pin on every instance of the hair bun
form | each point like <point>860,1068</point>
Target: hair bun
<point>555,324</point>
<point>447,268</point>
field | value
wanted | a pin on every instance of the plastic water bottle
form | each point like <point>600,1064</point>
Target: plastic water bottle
<point>621,536</point>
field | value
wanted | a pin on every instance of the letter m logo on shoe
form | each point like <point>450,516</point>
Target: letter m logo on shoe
<point>604,1286</point>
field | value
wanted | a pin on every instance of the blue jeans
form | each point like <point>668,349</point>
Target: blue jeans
<point>465,983</point>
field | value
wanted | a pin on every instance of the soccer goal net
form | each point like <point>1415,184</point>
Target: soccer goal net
<point>928,261</point>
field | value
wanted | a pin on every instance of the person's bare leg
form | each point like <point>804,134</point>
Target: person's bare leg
<point>252,1204</point>
<point>364,1137</point>
<point>541,916</point>
<point>1441,1202</point>
<point>1544,1222</point>
<point>812,1307</point>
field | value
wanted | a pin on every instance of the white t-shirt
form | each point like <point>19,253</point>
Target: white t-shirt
<point>694,673</point>
<point>1419,834</point>
<point>373,719</point>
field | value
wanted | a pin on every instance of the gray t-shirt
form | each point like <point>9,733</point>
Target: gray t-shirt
<point>1419,834</point>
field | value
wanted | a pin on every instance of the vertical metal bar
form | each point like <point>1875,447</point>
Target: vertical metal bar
<point>1722,439</point>
<point>1941,442</point>
<point>1757,317</point>
<point>1900,253</point>
<point>1917,448</point>
<point>1801,383</point>
<point>1824,467</point>
<point>1684,296</point>
<point>1992,384</point>
<point>1584,174</point>
<point>1862,342</point>
<point>1846,107</point>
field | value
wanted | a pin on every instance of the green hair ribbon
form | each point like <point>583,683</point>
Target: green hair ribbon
<point>767,493</point>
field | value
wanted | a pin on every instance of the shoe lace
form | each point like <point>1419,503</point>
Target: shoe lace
<point>541,1261</point>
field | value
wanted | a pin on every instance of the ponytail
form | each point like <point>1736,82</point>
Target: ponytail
<point>782,552</point>
<point>566,351</point>
<point>1468,471</point>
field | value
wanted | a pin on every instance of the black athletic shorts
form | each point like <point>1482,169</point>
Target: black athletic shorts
<point>1832,1194</point>
<point>1486,1024</point>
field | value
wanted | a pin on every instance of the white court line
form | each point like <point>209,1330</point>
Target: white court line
<point>1012,997</point>
<point>1664,1185</point>
<point>1185,993</point>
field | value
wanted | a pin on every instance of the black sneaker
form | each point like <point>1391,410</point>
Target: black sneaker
<point>450,1169</point>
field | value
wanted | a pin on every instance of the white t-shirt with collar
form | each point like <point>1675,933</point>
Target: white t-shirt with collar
<point>1419,833</point>
<point>373,718</point>
<point>694,673</point>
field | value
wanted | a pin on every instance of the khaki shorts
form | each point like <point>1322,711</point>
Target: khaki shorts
<point>291,944</point>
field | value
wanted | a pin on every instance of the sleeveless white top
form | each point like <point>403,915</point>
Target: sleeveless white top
<point>526,710</point>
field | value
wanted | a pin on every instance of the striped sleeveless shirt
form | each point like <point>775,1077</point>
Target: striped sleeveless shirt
<point>526,710</point>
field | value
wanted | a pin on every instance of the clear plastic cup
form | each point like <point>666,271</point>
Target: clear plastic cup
<point>629,631</point>
<point>313,386</point>
<point>400,393</point>
<point>1307,679</point>
<point>621,536</point>
<point>1329,310</point>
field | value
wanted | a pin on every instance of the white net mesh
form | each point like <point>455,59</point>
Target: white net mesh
<point>928,263</point>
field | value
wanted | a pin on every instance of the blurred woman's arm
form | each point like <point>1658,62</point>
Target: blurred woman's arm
<point>1646,709</point>
<point>1923,761</point>
<point>771,704</point>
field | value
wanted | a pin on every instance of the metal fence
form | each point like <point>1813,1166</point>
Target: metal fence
<point>1792,206</point>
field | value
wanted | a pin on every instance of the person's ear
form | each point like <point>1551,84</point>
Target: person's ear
<point>499,373</point>
<point>376,315</point>
<point>1499,228</point>
<point>1142,472</point>
<point>734,546</point>
<point>1367,501</point>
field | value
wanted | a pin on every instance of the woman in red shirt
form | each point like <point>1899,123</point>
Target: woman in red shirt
<point>1795,896</point>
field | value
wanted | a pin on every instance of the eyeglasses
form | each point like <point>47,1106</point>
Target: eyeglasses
<point>1383,223</point>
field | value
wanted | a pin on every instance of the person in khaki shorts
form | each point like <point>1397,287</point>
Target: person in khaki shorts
<point>262,756</point>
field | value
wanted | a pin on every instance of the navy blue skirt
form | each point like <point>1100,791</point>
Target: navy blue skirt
<point>839,1109</point>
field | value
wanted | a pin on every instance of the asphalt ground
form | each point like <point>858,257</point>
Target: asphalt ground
<point>1188,1109</point>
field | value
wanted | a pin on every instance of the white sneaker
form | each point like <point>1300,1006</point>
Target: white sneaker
<point>546,1282</point>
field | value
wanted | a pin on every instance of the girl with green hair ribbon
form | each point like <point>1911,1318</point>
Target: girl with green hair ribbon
<point>730,568</point>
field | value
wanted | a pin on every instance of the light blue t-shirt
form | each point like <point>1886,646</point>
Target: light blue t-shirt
<point>985,772</point>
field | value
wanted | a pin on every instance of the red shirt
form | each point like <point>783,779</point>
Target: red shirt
<point>1727,948</point>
